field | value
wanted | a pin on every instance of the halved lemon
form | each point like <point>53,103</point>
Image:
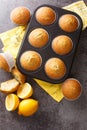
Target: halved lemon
<point>11,102</point>
<point>24,91</point>
<point>28,107</point>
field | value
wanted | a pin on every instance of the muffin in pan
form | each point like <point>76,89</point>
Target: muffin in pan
<point>55,68</point>
<point>62,45</point>
<point>68,23</point>
<point>45,15</point>
<point>30,60</point>
<point>38,37</point>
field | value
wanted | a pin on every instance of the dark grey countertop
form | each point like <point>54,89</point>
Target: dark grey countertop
<point>51,115</point>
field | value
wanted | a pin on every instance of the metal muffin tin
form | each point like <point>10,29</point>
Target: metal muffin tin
<point>46,52</point>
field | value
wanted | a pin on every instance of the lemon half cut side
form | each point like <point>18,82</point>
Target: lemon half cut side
<point>25,91</point>
<point>11,102</point>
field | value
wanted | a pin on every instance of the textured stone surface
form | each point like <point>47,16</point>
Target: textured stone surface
<point>51,115</point>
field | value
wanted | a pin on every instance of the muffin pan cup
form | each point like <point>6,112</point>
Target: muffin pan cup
<point>46,52</point>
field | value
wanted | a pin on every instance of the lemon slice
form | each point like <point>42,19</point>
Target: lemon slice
<point>11,102</point>
<point>24,91</point>
<point>28,107</point>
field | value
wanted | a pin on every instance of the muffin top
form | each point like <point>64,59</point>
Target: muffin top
<point>30,60</point>
<point>71,89</point>
<point>20,15</point>
<point>45,15</point>
<point>55,68</point>
<point>68,23</point>
<point>38,37</point>
<point>62,44</point>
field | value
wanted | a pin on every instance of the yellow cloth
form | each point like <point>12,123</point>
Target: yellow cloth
<point>54,90</point>
<point>12,41</point>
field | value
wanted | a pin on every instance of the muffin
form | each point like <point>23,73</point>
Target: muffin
<point>45,15</point>
<point>38,37</point>
<point>55,68</point>
<point>62,45</point>
<point>20,15</point>
<point>30,60</point>
<point>71,89</point>
<point>68,23</point>
<point>6,61</point>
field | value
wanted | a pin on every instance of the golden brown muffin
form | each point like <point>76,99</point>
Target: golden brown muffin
<point>6,61</point>
<point>71,89</point>
<point>68,23</point>
<point>18,75</point>
<point>20,15</point>
<point>38,37</point>
<point>55,68</point>
<point>30,60</point>
<point>62,44</point>
<point>45,15</point>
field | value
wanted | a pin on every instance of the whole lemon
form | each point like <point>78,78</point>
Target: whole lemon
<point>28,107</point>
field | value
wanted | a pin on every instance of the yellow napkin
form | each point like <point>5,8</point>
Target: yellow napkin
<point>12,41</point>
<point>54,90</point>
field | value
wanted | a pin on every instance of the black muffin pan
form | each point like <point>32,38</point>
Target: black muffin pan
<point>46,52</point>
